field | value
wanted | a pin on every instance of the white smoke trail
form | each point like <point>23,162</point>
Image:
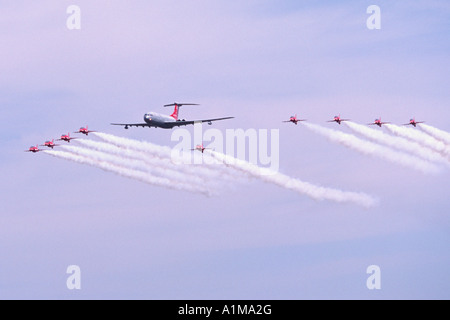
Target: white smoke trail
<point>212,171</point>
<point>100,156</point>
<point>397,142</point>
<point>305,188</point>
<point>420,137</point>
<point>156,150</point>
<point>175,177</point>
<point>117,156</point>
<point>373,149</point>
<point>148,163</point>
<point>125,172</point>
<point>439,134</point>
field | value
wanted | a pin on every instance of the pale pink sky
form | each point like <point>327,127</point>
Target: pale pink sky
<point>259,61</point>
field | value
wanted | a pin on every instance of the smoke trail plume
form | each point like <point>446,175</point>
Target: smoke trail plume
<point>126,172</point>
<point>178,163</point>
<point>436,133</point>
<point>304,188</point>
<point>148,163</point>
<point>159,151</point>
<point>143,161</point>
<point>397,142</point>
<point>420,137</point>
<point>373,149</point>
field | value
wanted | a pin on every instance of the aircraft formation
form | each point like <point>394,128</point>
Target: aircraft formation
<point>64,137</point>
<point>147,162</point>
<point>158,120</point>
<point>152,119</point>
<point>339,120</point>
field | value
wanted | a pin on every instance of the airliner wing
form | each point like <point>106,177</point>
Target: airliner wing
<point>126,125</point>
<point>168,124</point>
<point>185,123</point>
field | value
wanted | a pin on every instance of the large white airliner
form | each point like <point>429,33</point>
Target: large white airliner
<point>157,120</point>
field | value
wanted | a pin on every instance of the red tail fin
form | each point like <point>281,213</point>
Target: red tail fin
<point>175,112</point>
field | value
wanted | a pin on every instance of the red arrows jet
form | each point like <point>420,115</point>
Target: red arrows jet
<point>49,144</point>
<point>294,119</point>
<point>377,122</point>
<point>413,122</point>
<point>66,137</point>
<point>338,119</point>
<point>200,148</point>
<point>84,131</point>
<point>33,149</point>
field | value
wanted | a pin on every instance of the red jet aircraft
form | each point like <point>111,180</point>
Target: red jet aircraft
<point>200,148</point>
<point>49,144</point>
<point>377,122</point>
<point>66,137</point>
<point>413,122</point>
<point>338,119</point>
<point>294,119</point>
<point>33,149</point>
<point>84,131</point>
